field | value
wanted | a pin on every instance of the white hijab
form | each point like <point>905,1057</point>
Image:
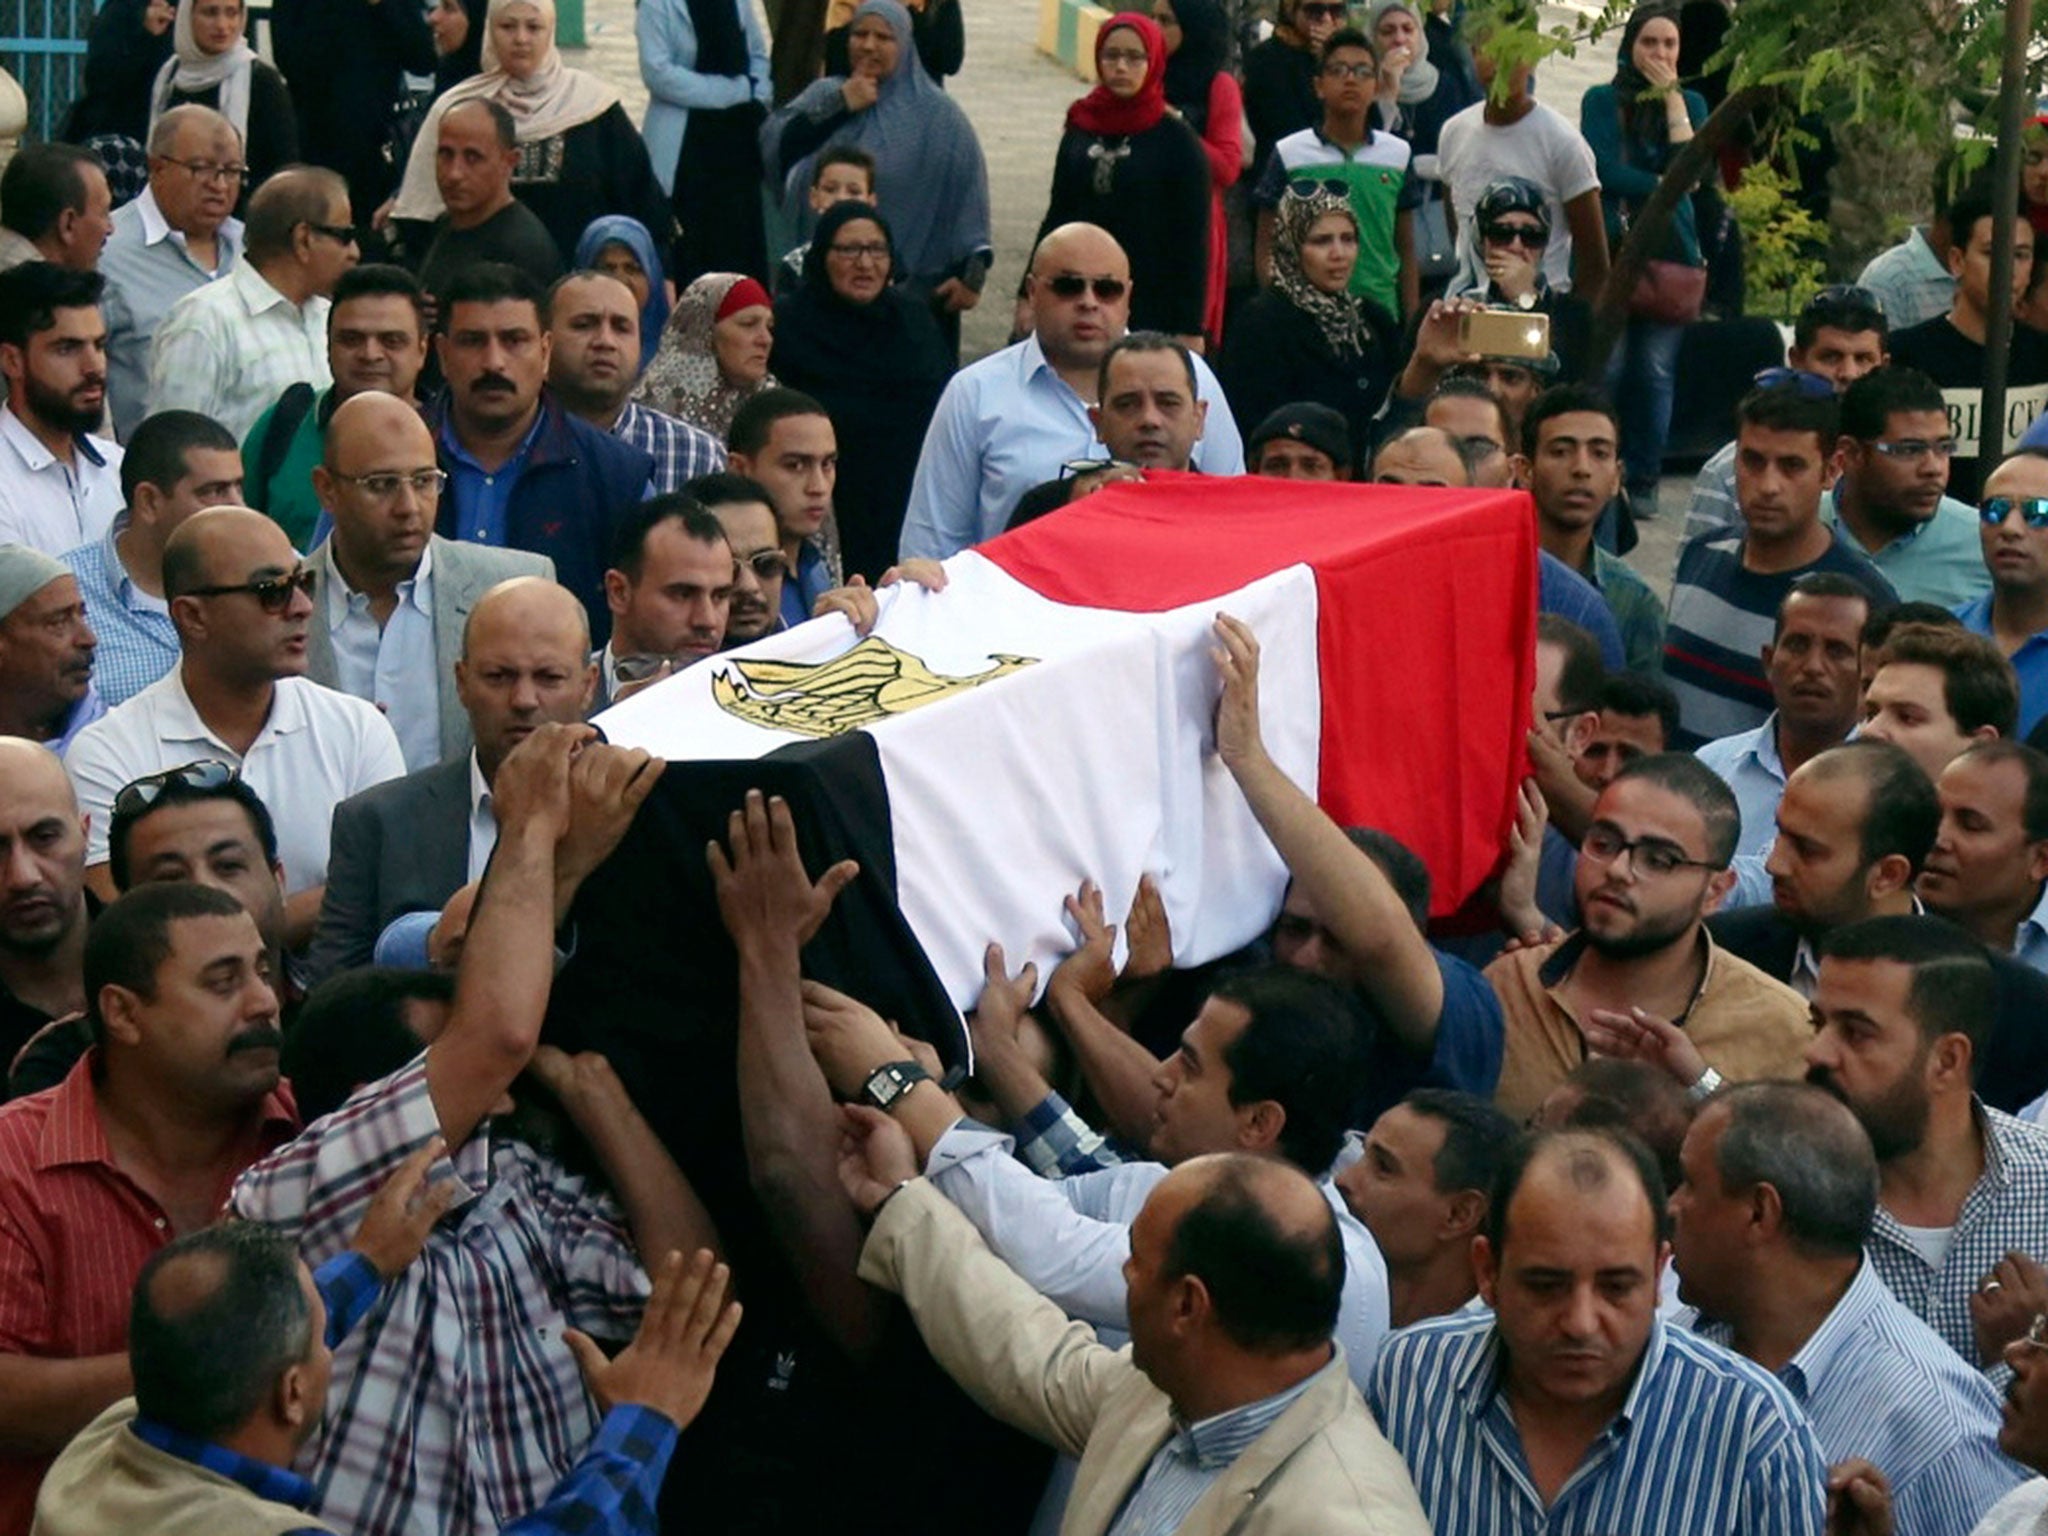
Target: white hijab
<point>551,100</point>
<point>193,71</point>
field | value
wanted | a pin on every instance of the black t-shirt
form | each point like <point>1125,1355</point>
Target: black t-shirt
<point>1956,364</point>
<point>513,234</point>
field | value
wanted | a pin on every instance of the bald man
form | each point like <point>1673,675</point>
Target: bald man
<point>393,595</point>
<point>402,849</point>
<point>1233,1283</point>
<point>43,902</point>
<point>242,602</point>
<point>1008,422</point>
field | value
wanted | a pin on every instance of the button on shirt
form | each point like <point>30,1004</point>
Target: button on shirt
<point>48,504</point>
<point>1006,424</point>
<point>1877,1382</point>
<point>318,747</point>
<point>394,667</point>
<point>2030,661</point>
<point>148,268</point>
<point>229,349</point>
<point>1705,1443</point>
<point>1748,763</point>
<point>1194,1456</point>
<point>483,496</point>
<point>138,642</point>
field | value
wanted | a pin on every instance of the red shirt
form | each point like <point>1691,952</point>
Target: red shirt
<point>75,1231</point>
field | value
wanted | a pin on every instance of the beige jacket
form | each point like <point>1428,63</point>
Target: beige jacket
<point>1323,1467</point>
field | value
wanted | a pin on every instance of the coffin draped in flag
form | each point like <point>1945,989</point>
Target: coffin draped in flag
<point>1048,717</point>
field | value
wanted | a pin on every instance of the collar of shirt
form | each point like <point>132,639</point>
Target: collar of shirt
<point>1481,1385</point>
<point>1214,1443</point>
<point>462,455</point>
<point>256,294</point>
<point>156,229</point>
<point>1034,365</point>
<point>73,1135</point>
<point>479,791</point>
<point>181,721</point>
<point>343,598</point>
<point>88,709</point>
<point>2033,929</point>
<point>1975,616</point>
<point>30,447</point>
<point>279,1485</point>
<point>1831,514</point>
<point>1348,154</point>
<point>1560,961</point>
<point>125,591</point>
<point>1817,1355</point>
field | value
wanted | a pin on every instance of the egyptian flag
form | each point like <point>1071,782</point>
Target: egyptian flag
<point>1048,718</point>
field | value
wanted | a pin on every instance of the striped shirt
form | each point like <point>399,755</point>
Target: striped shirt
<point>1705,1443</point>
<point>464,1353</point>
<point>1194,1456</point>
<point>2005,1211</point>
<point>75,1231</point>
<point>138,642</point>
<point>1877,1382</point>
<point>1722,616</point>
<point>680,451</point>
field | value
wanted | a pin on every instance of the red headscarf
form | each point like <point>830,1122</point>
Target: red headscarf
<point>1102,111</point>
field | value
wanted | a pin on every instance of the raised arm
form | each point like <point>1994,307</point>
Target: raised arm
<point>1353,900</point>
<point>1119,1071</point>
<point>787,1119</point>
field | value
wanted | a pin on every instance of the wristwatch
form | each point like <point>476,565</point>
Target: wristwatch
<point>890,1081</point>
<point>1707,1085</point>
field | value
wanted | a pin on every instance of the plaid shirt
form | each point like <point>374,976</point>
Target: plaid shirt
<point>463,1354</point>
<point>2006,1211</point>
<point>680,451</point>
<point>1056,1143</point>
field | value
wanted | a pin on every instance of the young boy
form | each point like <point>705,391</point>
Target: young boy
<point>1372,165</point>
<point>843,174</point>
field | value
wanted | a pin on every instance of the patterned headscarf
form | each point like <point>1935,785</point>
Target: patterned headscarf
<point>684,379</point>
<point>1337,315</point>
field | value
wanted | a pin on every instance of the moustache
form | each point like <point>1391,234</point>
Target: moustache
<point>1823,1079</point>
<point>491,381</point>
<point>264,1037</point>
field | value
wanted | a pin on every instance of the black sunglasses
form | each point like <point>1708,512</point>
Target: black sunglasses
<point>1533,238</point>
<point>2033,510</point>
<point>1846,296</point>
<point>273,592</point>
<point>1309,186</point>
<point>1069,285</point>
<point>764,563</point>
<point>207,774</point>
<point>340,234</point>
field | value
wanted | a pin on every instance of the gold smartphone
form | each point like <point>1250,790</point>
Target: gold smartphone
<point>1505,333</point>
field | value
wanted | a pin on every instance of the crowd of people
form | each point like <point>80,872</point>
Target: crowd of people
<point>360,443</point>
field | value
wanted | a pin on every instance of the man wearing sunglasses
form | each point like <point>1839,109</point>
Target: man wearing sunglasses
<point>229,349</point>
<point>242,601</point>
<point>394,595</point>
<point>2013,525</point>
<point>1008,422</point>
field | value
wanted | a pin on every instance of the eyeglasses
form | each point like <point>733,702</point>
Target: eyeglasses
<point>1123,56</point>
<point>1811,386</point>
<point>1350,71</point>
<point>2033,510</point>
<point>867,250</point>
<point>1076,467</point>
<point>340,234</point>
<point>207,171</point>
<point>766,564</point>
<point>206,774</point>
<point>1531,237</point>
<point>636,669</point>
<point>384,484</point>
<point>1068,285</point>
<point>1915,448</point>
<point>1847,296</point>
<point>1650,855</point>
<point>273,592</point>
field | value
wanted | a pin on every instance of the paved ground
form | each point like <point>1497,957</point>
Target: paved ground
<point>1016,98</point>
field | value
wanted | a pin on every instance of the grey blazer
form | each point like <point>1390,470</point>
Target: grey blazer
<point>462,574</point>
<point>402,846</point>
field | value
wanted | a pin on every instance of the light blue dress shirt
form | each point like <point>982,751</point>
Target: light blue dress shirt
<point>483,496</point>
<point>1194,1456</point>
<point>1749,764</point>
<point>138,642</point>
<point>1006,424</point>
<point>2030,944</point>
<point>394,667</point>
<point>1941,561</point>
<point>148,268</point>
<point>1877,1382</point>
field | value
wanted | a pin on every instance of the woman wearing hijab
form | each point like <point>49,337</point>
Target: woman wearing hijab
<point>936,27</point>
<point>705,63</point>
<point>873,357</point>
<point>579,154</point>
<point>1415,97</point>
<point>458,27</point>
<point>213,65</point>
<point>1205,94</point>
<point>129,42</point>
<point>1635,126</point>
<point>622,248</point>
<point>714,353</point>
<point>1128,165</point>
<point>1308,337</point>
<point>929,170</point>
<point>1280,75</point>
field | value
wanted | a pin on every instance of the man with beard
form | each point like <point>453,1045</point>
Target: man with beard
<point>518,464</point>
<point>132,1150</point>
<point>1900,1012</point>
<point>669,587</point>
<point>1642,948</point>
<point>46,651</point>
<point>44,908</point>
<point>746,510</point>
<point>60,486</point>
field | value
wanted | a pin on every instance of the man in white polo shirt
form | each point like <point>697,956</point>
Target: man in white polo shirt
<point>242,604</point>
<point>60,486</point>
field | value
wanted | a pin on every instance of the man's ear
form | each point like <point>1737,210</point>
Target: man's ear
<point>1719,884</point>
<point>1578,731</point>
<point>118,1008</point>
<point>1260,1125</point>
<point>1890,874</point>
<point>618,592</point>
<point>290,1401</point>
<point>1464,1213</point>
<point>324,485</point>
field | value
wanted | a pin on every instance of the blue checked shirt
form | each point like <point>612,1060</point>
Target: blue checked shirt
<point>2005,1211</point>
<point>1056,1143</point>
<point>138,642</point>
<point>680,451</point>
<point>1877,1382</point>
<point>1194,1456</point>
<point>1705,1444</point>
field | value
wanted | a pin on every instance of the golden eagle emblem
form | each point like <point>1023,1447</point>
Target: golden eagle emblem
<point>871,682</point>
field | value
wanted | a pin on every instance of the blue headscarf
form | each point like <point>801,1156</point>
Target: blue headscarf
<point>617,229</point>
